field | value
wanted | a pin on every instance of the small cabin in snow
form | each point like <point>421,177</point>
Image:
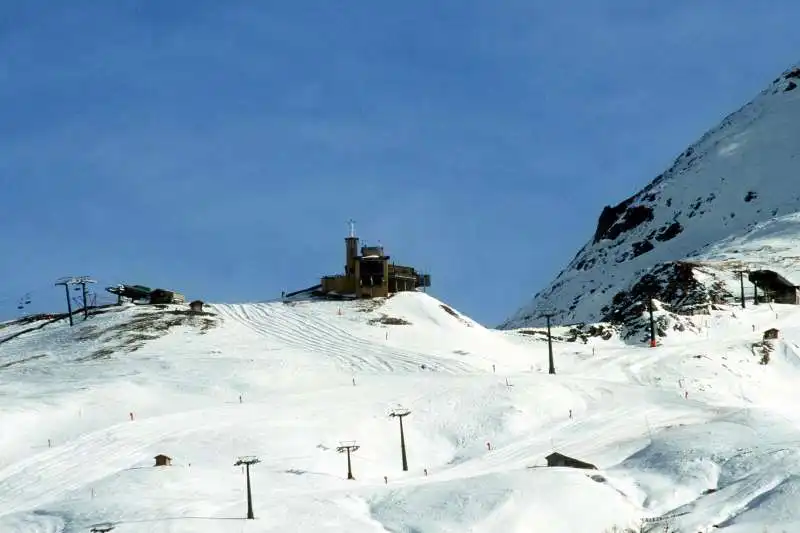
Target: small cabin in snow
<point>558,459</point>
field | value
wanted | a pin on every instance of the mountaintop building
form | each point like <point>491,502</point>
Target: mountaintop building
<point>370,274</point>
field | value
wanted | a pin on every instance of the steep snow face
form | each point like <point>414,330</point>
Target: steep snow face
<point>740,174</point>
<point>772,244</point>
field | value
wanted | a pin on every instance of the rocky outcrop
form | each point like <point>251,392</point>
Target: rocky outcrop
<point>738,175</point>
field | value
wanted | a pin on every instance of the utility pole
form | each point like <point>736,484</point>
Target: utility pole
<point>652,323</point>
<point>741,282</point>
<point>399,413</point>
<point>755,293</point>
<point>65,282</point>
<point>548,316</point>
<point>348,447</point>
<point>247,461</point>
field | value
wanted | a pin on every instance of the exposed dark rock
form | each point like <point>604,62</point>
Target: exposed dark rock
<point>641,248</point>
<point>577,333</point>
<point>608,217</point>
<point>763,349</point>
<point>794,73</point>
<point>389,320</point>
<point>790,87</point>
<point>670,232</point>
<point>614,221</point>
<point>751,195</point>
<point>674,285</point>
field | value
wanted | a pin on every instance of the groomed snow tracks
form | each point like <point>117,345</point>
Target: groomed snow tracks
<point>286,325</point>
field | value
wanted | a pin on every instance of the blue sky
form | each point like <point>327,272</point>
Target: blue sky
<point>218,148</point>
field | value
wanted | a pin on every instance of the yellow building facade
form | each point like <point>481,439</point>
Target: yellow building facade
<point>369,274</point>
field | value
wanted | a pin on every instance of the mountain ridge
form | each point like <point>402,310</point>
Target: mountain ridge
<point>737,175</point>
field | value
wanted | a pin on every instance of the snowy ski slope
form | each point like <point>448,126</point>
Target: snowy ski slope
<point>695,429</point>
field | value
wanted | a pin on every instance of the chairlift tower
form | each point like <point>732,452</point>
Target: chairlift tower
<point>66,282</point>
<point>742,272</point>
<point>73,280</point>
<point>247,461</point>
<point>348,447</point>
<point>82,281</point>
<point>399,413</point>
<point>551,364</point>
<point>653,342</point>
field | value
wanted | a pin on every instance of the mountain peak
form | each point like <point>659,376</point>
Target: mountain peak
<point>738,175</point>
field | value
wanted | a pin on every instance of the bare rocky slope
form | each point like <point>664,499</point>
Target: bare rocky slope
<point>726,201</point>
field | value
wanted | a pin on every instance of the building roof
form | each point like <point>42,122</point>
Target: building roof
<point>770,277</point>
<point>162,455</point>
<point>556,455</point>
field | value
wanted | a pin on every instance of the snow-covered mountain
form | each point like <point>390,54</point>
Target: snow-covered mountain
<point>729,187</point>
<point>697,433</point>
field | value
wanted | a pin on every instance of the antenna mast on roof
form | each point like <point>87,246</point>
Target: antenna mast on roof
<point>352,224</point>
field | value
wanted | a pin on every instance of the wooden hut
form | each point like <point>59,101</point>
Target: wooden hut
<point>163,460</point>
<point>558,459</point>
<point>771,333</point>
<point>196,306</point>
<point>163,296</point>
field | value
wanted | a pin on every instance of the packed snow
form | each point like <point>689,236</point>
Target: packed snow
<point>692,434</point>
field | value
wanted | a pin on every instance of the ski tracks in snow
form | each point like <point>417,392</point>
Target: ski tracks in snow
<point>307,332</point>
